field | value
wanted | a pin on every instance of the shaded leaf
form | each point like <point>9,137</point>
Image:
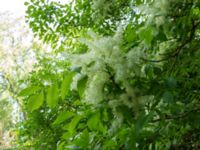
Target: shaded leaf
<point>94,123</point>
<point>62,117</point>
<point>65,87</point>
<point>171,82</point>
<point>83,141</point>
<point>168,97</point>
<point>82,85</point>
<point>74,123</point>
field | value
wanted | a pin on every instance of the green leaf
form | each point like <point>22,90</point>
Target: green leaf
<point>140,123</point>
<point>171,82</point>
<point>83,140</point>
<point>35,101</point>
<point>60,146</point>
<point>72,147</point>
<point>130,34</point>
<point>157,70</point>
<point>52,96</point>
<point>62,117</point>
<point>105,115</point>
<point>94,123</point>
<point>148,69</point>
<point>110,144</point>
<point>26,3</point>
<point>29,90</point>
<point>65,87</point>
<point>66,135</point>
<point>74,123</point>
<point>168,97</point>
<point>146,34</point>
<point>82,85</point>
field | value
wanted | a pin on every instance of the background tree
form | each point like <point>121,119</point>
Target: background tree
<point>18,52</point>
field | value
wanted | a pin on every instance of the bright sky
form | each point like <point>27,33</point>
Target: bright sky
<point>17,6</point>
<point>14,6</point>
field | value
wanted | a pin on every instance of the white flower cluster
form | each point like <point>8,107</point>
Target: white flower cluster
<point>94,91</point>
<point>106,62</point>
<point>105,53</point>
<point>156,11</point>
<point>75,81</point>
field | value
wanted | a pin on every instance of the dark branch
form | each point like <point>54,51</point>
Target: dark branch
<point>180,116</point>
<point>179,48</point>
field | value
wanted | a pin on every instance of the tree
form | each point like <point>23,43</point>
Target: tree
<point>18,52</point>
<point>126,75</point>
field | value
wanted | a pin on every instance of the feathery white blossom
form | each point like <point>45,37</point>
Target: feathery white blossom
<point>104,53</point>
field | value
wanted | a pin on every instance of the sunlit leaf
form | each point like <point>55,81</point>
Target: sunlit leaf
<point>146,34</point>
<point>35,101</point>
<point>52,95</point>
<point>29,90</point>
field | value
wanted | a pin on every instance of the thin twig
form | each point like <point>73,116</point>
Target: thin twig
<point>182,115</point>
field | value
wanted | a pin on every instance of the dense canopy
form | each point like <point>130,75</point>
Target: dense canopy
<point>122,75</point>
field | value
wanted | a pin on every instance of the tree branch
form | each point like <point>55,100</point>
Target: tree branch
<point>180,116</point>
<point>179,48</point>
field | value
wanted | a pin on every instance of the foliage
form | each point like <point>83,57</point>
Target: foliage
<point>124,75</point>
<point>11,55</point>
<point>18,52</point>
